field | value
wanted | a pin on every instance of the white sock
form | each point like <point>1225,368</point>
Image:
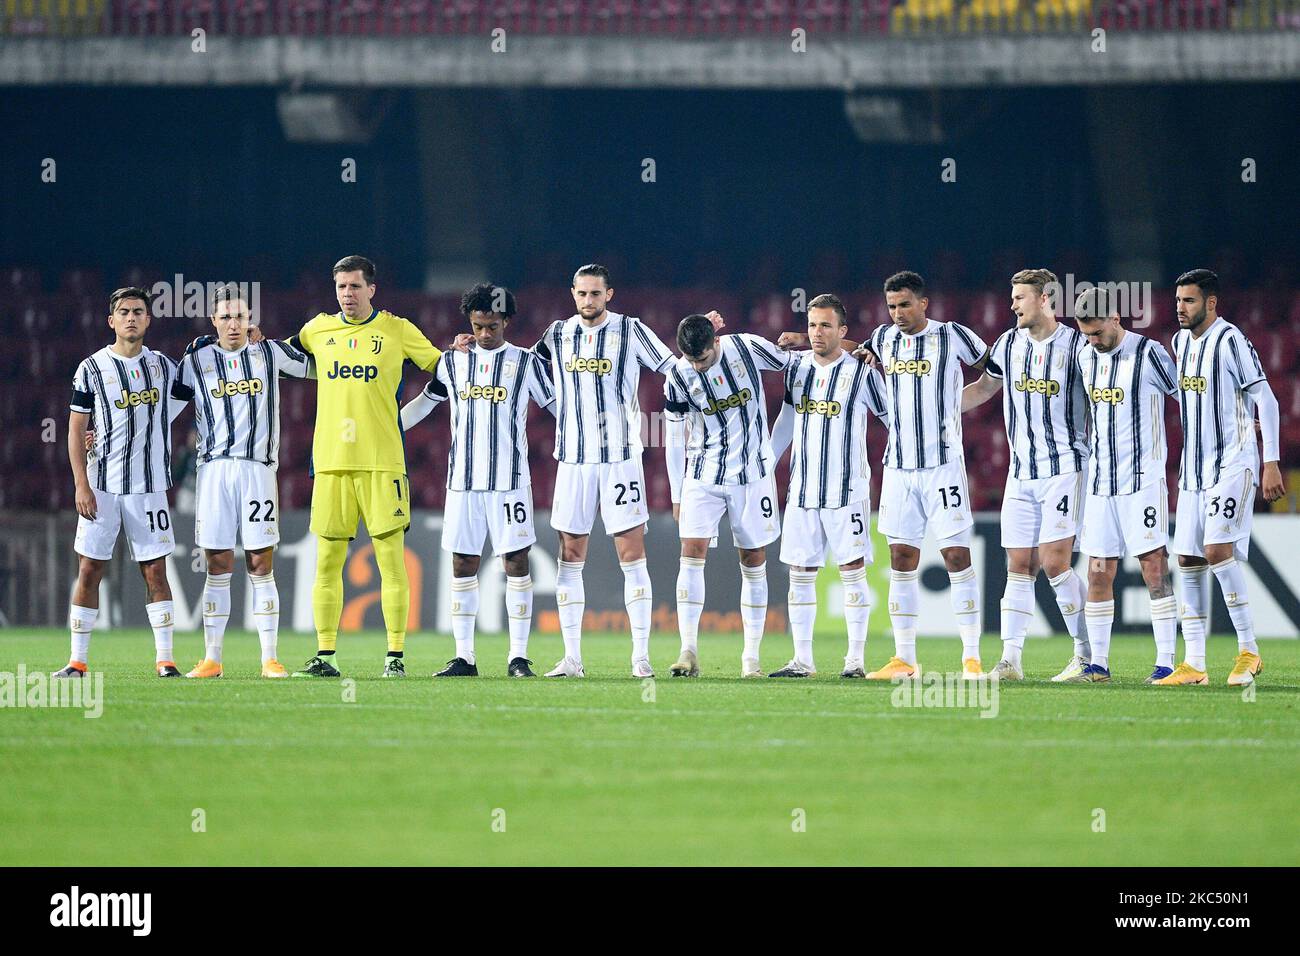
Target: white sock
<point>81,621</point>
<point>266,612</point>
<point>857,611</point>
<point>753,607</point>
<point>1070,598</point>
<point>639,601</point>
<point>519,610</point>
<point>690,601</point>
<point>464,611</point>
<point>1195,607</point>
<point>162,618</point>
<point>1232,581</point>
<point>1101,617</point>
<point>571,600</point>
<point>216,612</point>
<point>1164,622</point>
<point>904,598</point>
<point>966,606</point>
<point>802,609</point>
<point>1017,612</point>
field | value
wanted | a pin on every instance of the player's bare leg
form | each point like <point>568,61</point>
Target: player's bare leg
<point>162,615</point>
<point>638,596</point>
<point>464,614</point>
<point>216,612</point>
<point>84,611</point>
<point>966,607</point>
<point>904,598</point>
<point>571,601</point>
<point>690,604</point>
<point>1100,610</point>
<point>519,612</point>
<point>1164,610</point>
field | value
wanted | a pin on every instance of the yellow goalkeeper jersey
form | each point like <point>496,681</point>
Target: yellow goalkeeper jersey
<point>359,386</point>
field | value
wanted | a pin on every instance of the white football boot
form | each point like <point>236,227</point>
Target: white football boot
<point>567,668</point>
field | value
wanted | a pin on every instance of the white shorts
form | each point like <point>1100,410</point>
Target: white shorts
<point>146,518</point>
<point>1038,510</point>
<point>806,533</point>
<point>751,509</point>
<point>1119,525</point>
<point>236,499</point>
<point>914,499</point>
<point>1216,516</point>
<point>469,516</point>
<point>618,488</point>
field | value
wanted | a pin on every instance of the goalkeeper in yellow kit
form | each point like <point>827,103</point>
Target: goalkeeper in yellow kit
<point>358,461</point>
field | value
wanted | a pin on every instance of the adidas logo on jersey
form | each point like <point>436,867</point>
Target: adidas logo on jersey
<point>1039,386</point>
<point>1193,383</point>
<point>733,401</point>
<point>148,396</point>
<point>909,367</point>
<point>491,393</point>
<point>1109,396</point>
<point>600,366</point>
<point>807,407</point>
<point>251,386</point>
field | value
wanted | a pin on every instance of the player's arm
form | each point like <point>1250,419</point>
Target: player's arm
<point>418,408</point>
<point>649,349</point>
<point>78,424</point>
<point>418,348</point>
<point>1269,425</point>
<point>971,350</point>
<point>291,361</point>
<point>182,392</point>
<point>783,427</point>
<point>979,391</point>
<point>874,395</point>
<point>1161,371</point>
<point>675,409</point>
<point>540,389</point>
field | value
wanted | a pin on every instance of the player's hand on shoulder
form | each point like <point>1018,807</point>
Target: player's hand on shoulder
<point>255,334</point>
<point>716,318</point>
<point>792,340</point>
<point>864,354</point>
<point>199,343</point>
<point>462,342</point>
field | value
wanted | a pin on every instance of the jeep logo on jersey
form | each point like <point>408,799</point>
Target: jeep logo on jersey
<point>807,407</point>
<point>367,372</point>
<point>909,367</point>
<point>491,393</point>
<point>251,386</point>
<point>733,401</point>
<point>1039,386</point>
<point>148,396</point>
<point>600,366</point>
<point>1111,396</point>
<point>1194,383</point>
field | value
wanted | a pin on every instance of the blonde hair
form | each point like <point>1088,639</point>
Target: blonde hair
<point>1038,278</point>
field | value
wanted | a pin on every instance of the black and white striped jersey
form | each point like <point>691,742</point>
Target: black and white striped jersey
<point>489,392</point>
<point>923,384</point>
<point>832,403</point>
<point>1218,415</point>
<point>1126,395</point>
<point>237,397</point>
<point>595,373</point>
<point>1044,402</point>
<point>130,403</point>
<point>726,410</point>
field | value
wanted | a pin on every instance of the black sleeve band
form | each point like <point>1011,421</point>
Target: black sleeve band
<point>182,391</point>
<point>296,342</point>
<point>82,401</point>
<point>436,389</point>
<point>676,408</point>
<point>542,349</point>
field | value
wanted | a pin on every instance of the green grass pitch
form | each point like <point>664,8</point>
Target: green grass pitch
<point>609,770</point>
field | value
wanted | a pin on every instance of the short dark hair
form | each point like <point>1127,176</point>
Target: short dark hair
<point>1095,302</point>
<point>829,301</point>
<point>1203,279</point>
<point>906,280</point>
<point>593,269</point>
<point>129,292</point>
<point>695,334</point>
<point>484,297</point>
<point>227,293</point>
<point>353,263</point>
